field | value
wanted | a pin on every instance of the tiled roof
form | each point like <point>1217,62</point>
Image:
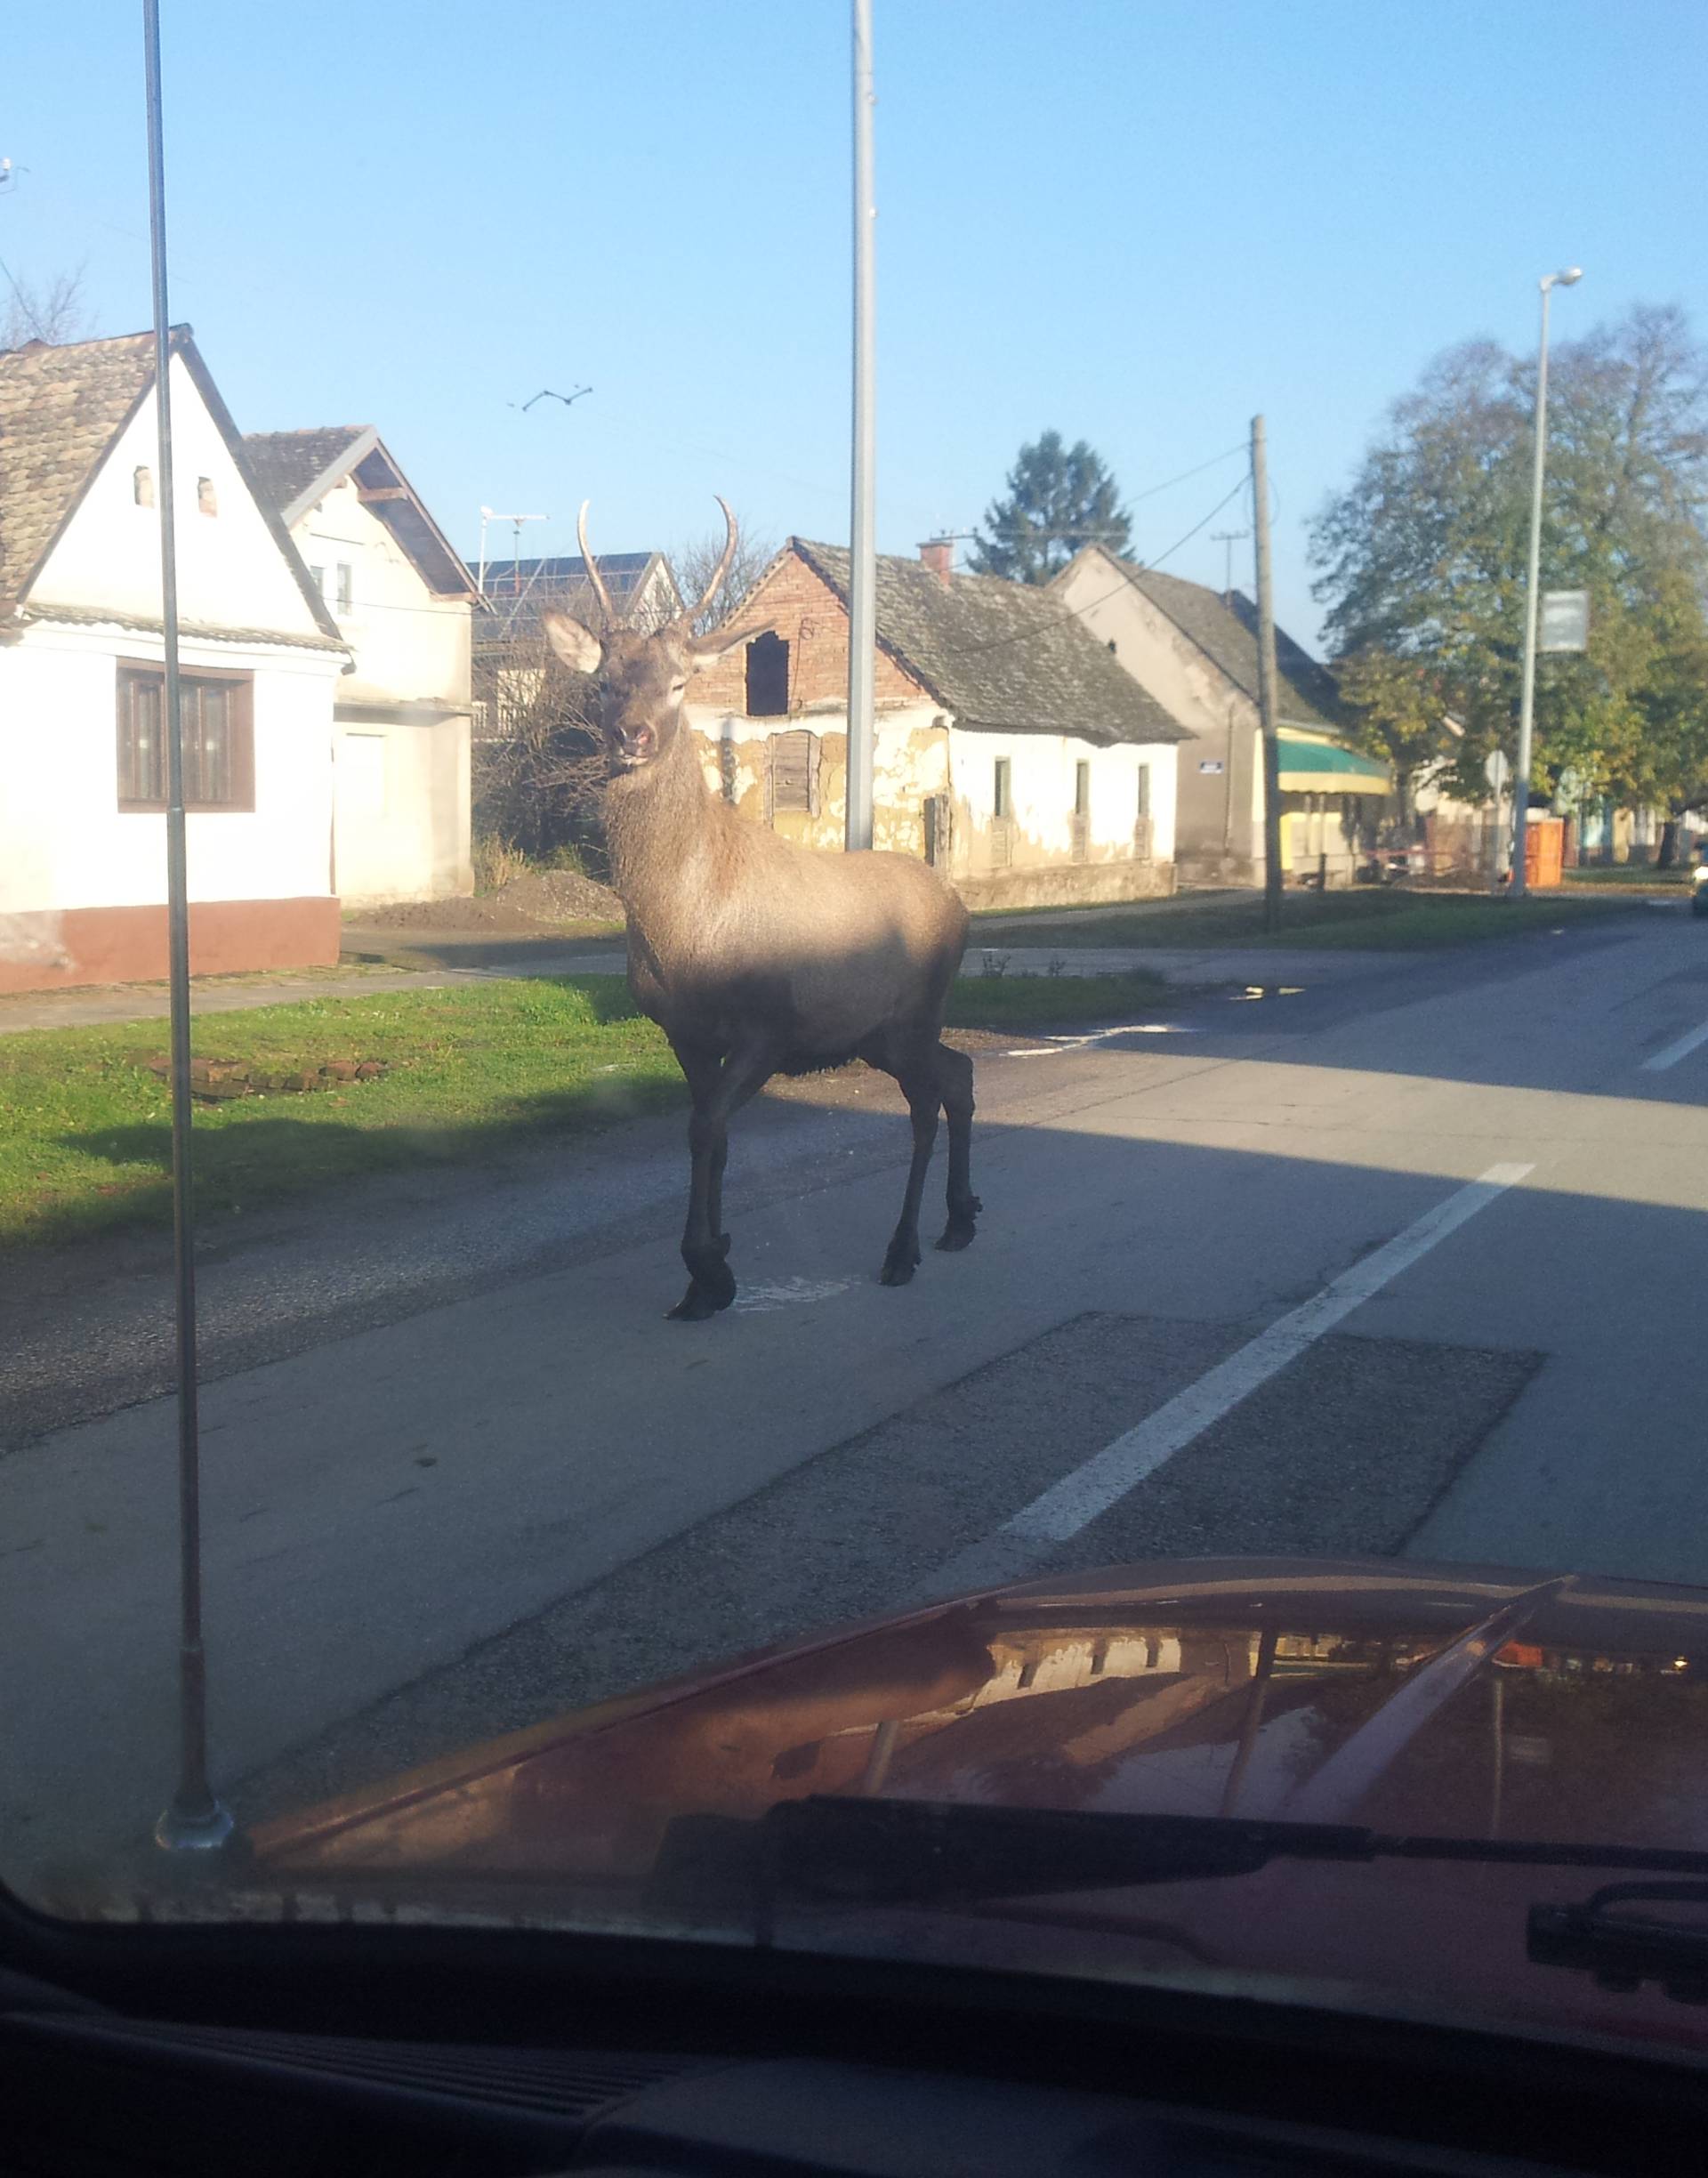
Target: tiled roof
<point>60,408</point>
<point>1226,631</point>
<point>1002,656</point>
<point>286,462</point>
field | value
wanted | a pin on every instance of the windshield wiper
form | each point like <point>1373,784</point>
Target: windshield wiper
<point>1624,1950</point>
<point>827,1850</point>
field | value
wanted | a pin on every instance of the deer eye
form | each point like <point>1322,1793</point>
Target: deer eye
<point>678,688</point>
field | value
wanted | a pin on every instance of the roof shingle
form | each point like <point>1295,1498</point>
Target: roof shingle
<point>1002,656</point>
<point>60,409</point>
<point>286,462</point>
<point>1225,629</point>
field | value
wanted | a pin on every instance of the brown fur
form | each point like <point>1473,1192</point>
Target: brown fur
<point>757,956</point>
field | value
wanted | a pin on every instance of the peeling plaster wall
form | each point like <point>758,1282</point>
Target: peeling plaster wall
<point>911,763</point>
<point>918,755</point>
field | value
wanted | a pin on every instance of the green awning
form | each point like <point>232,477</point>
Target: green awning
<point>1325,767</point>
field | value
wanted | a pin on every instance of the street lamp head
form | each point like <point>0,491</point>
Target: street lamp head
<point>1569,278</point>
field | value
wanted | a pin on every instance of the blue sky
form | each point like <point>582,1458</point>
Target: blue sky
<point>1139,221</point>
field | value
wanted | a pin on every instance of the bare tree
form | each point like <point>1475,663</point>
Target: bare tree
<point>55,312</point>
<point>694,562</point>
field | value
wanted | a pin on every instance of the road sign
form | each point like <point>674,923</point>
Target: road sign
<point>1496,771</point>
<point>1210,764</point>
<point>1565,620</point>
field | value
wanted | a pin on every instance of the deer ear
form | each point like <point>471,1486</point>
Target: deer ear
<point>578,647</point>
<point>706,650</point>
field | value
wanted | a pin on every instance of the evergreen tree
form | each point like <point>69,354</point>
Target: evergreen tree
<point>1059,498</point>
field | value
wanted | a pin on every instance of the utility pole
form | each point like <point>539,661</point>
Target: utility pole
<point>1266,680</point>
<point>194,1820</point>
<point>1532,599</point>
<point>862,563</point>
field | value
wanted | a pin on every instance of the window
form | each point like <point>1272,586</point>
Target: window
<point>768,677</point>
<point>344,586</point>
<point>794,773</point>
<point>1142,809</point>
<point>1081,789</point>
<point>217,716</point>
<point>142,485</point>
<point>317,576</point>
<point>1002,791</point>
<point>207,500</point>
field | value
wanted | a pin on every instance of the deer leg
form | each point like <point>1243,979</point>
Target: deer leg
<point>955,1081</point>
<point>921,1091</point>
<point>711,1284</point>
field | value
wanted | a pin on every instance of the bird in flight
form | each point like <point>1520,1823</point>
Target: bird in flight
<point>545,393</point>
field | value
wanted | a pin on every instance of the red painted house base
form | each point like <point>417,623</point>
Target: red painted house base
<point>57,949</point>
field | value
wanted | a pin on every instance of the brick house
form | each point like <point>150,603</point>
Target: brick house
<point>1011,749</point>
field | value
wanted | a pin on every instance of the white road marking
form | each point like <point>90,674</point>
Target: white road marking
<point>1090,1490</point>
<point>757,1300</point>
<point>1099,1035</point>
<point>1669,1054</point>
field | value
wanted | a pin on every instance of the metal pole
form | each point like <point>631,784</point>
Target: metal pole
<point>1266,680</point>
<point>1526,700</point>
<point>195,1820</point>
<point>862,563</point>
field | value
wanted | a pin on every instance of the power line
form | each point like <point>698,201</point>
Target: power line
<point>1141,566</point>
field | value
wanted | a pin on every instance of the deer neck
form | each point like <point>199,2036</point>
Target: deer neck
<point>657,824</point>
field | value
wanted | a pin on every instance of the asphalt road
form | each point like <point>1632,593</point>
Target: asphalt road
<point>1408,1261</point>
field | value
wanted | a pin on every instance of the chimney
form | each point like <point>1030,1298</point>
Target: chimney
<point>938,555</point>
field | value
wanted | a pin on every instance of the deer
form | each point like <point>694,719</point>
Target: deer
<point>756,956</point>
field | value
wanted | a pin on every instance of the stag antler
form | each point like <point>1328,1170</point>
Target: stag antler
<point>719,571</point>
<point>612,617</point>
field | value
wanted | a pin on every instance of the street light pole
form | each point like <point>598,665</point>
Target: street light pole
<point>1532,599</point>
<point>863,566</point>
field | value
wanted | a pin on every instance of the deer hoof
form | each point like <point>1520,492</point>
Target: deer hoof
<point>899,1266</point>
<point>699,1303</point>
<point>958,1234</point>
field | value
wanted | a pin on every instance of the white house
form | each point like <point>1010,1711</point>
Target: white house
<point>83,852</point>
<point>402,600</point>
<point>1196,650</point>
<point>1011,750</point>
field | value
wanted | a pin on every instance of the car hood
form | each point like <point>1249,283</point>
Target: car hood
<point>1474,1702</point>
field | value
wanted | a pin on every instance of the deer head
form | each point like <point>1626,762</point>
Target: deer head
<point>641,679</point>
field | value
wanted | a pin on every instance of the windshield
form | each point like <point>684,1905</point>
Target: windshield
<point>803,1007</point>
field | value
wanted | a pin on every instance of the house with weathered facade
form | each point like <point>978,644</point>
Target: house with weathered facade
<point>1011,749</point>
<point>83,849</point>
<point>1194,649</point>
<point>403,602</point>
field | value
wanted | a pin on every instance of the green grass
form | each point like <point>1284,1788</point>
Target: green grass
<point>1008,1001</point>
<point>85,1144</point>
<point>85,1131</point>
<point>1642,876</point>
<point>1396,921</point>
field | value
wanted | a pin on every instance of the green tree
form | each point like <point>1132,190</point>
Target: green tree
<point>1059,498</point>
<point>1422,560</point>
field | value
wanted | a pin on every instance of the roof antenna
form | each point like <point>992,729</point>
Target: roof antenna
<point>491,514</point>
<point>194,1821</point>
